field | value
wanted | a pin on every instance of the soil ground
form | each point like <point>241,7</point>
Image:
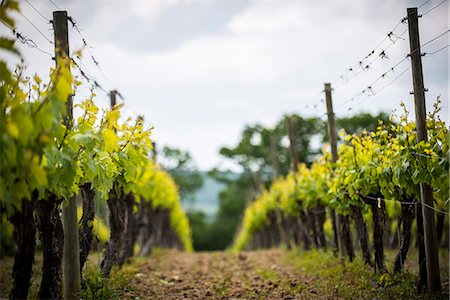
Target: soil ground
<point>219,275</point>
<point>264,274</point>
<point>270,274</point>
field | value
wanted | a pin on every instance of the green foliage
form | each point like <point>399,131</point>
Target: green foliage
<point>96,286</point>
<point>43,151</point>
<point>158,187</point>
<point>352,280</point>
<point>388,164</point>
<point>261,149</point>
<point>200,230</point>
<point>179,165</point>
<point>7,245</point>
<point>232,202</point>
<point>360,122</point>
<point>254,148</point>
<point>101,231</point>
<point>223,225</point>
<point>28,155</point>
<point>7,44</point>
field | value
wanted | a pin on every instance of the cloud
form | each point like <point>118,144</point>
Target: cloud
<point>269,19</point>
<point>149,10</point>
<point>200,71</point>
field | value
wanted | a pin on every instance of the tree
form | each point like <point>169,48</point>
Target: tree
<point>180,165</point>
<point>260,146</point>
<point>260,151</point>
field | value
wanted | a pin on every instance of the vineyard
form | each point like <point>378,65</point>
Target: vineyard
<point>91,213</point>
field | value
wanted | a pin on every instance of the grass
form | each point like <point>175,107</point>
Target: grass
<point>115,287</point>
<point>268,275</point>
<point>6,280</point>
<point>97,287</point>
<point>355,280</point>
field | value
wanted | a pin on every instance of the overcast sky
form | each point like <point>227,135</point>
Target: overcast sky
<point>201,70</point>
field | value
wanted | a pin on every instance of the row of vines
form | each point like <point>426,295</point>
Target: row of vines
<point>374,185</point>
<point>47,162</point>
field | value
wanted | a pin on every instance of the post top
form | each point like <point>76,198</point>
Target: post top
<point>60,12</point>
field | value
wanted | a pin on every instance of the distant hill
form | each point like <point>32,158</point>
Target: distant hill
<point>207,197</point>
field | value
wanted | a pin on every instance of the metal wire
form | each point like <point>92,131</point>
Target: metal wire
<point>361,62</point>
<point>424,3</point>
<point>35,27</point>
<point>403,202</point>
<point>88,47</point>
<point>41,14</point>
<point>369,90</point>
<point>25,40</point>
<point>439,50</point>
<point>434,7</point>
<point>55,5</point>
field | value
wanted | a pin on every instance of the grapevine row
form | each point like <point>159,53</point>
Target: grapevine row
<point>376,178</point>
<point>47,162</point>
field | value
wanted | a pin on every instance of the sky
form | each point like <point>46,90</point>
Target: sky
<point>200,71</point>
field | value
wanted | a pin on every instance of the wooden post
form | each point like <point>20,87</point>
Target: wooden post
<point>154,151</point>
<point>334,157</point>
<point>426,193</point>
<point>331,123</point>
<point>292,146</point>
<point>71,256</point>
<point>274,157</point>
<point>112,98</point>
<point>258,180</point>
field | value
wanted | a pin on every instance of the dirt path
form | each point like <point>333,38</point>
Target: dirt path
<point>218,275</point>
<point>266,274</point>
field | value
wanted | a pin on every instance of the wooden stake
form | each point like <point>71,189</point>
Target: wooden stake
<point>154,152</point>
<point>292,146</point>
<point>112,98</point>
<point>334,158</point>
<point>71,256</point>
<point>426,193</point>
<point>274,157</point>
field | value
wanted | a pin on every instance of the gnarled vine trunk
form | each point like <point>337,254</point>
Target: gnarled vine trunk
<point>128,241</point>
<point>423,281</point>
<point>276,235</point>
<point>406,221</point>
<point>281,220</point>
<point>362,235</point>
<point>86,223</point>
<point>266,235</point>
<point>287,231</point>
<point>378,217</point>
<point>24,234</point>
<point>335,231</point>
<point>290,224</point>
<point>52,238</point>
<point>321,218</point>
<point>440,218</point>
<point>311,218</point>
<point>347,238</point>
<point>297,231</point>
<point>157,225</point>
<point>147,229</point>
<point>116,223</point>
<point>304,231</point>
<point>132,229</point>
